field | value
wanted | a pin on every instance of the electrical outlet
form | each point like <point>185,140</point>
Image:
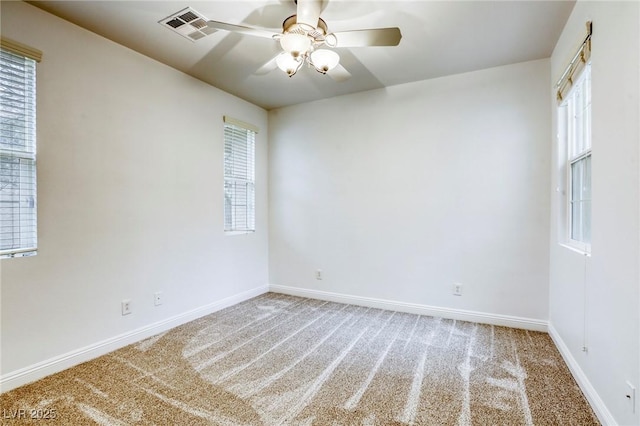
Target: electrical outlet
<point>457,289</point>
<point>157,298</point>
<point>318,274</point>
<point>126,307</point>
<point>630,394</point>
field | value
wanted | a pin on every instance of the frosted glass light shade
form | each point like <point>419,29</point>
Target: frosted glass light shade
<point>287,63</point>
<point>324,60</point>
<point>295,44</point>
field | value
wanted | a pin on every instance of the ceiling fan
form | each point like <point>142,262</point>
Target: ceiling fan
<point>305,39</point>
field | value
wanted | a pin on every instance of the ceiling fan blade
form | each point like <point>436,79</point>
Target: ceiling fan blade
<point>372,37</point>
<point>259,32</point>
<point>339,73</point>
<point>309,12</point>
<point>267,67</point>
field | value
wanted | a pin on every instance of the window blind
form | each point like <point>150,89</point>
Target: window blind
<point>239,178</point>
<point>573,71</point>
<point>18,236</point>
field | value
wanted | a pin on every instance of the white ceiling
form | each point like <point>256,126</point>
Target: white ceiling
<point>438,38</point>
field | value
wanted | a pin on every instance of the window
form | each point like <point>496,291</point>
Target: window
<point>576,113</point>
<point>239,176</point>
<point>18,236</point>
<point>574,137</point>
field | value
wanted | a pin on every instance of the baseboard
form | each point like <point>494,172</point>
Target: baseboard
<point>599,407</point>
<point>42,369</point>
<point>414,308</point>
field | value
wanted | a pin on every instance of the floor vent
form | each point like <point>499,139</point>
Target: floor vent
<point>188,23</point>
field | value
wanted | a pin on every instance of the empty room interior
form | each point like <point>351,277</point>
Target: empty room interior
<point>336,212</point>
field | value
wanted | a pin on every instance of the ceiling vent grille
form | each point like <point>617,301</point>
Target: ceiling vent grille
<point>188,23</point>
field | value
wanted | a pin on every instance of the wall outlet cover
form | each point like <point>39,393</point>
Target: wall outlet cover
<point>630,394</point>
<point>157,298</point>
<point>457,289</point>
<point>126,307</point>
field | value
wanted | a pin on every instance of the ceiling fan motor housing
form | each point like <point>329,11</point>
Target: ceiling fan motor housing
<point>290,25</point>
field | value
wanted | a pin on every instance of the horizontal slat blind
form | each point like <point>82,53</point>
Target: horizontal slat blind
<point>239,178</point>
<point>18,234</point>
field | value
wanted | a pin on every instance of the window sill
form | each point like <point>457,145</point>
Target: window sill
<point>579,250</point>
<point>238,232</point>
<point>18,253</point>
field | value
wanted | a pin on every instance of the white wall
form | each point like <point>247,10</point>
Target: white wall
<point>400,192</point>
<point>610,288</point>
<point>130,196</point>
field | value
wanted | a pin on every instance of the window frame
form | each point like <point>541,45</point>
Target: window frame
<point>239,170</point>
<point>577,151</point>
<point>19,159</point>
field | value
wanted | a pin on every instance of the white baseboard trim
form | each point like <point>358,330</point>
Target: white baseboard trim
<point>414,308</point>
<point>59,363</point>
<point>599,407</point>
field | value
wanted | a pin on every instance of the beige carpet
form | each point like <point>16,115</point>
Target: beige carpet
<point>283,360</point>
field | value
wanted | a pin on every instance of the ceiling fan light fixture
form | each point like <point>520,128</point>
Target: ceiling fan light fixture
<point>331,40</point>
<point>288,63</point>
<point>324,60</point>
<point>295,44</point>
